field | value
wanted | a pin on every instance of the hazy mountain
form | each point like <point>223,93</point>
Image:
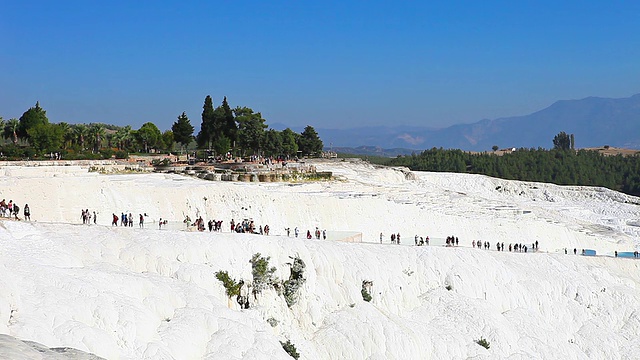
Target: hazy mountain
<point>594,122</point>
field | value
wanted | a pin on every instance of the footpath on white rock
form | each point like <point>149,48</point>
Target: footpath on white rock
<point>130,293</point>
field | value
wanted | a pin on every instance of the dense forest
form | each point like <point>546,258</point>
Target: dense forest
<point>561,165</point>
<point>240,131</point>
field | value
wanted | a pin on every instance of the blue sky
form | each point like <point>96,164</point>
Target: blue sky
<point>330,64</point>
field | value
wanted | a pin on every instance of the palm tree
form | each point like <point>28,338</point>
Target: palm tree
<point>123,137</point>
<point>67,134</point>
<point>96,134</point>
<point>110,137</point>
<point>80,131</point>
<point>11,130</point>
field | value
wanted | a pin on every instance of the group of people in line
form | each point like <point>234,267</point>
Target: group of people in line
<point>215,225</point>
<point>248,226</point>
<point>126,219</point>
<point>12,209</point>
<point>500,246</point>
<point>636,254</point>
<point>87,216</point>
<point>419,241</point>
<point>395,238</point>
<point>454,241</point>
<point>317,233</point>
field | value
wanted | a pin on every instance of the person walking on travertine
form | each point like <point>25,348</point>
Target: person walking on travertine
<point>27,212</point>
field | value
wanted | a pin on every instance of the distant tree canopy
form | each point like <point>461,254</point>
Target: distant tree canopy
<point>149,135</point>
<point>45,137</point>
<point>562,141</point>
<point>241,131</point>
<point>582,167</point>
<point>251,129</point>
<point>309,142</point>
<point>31,118</point>
<point>289,142</point>
<point>244,132</point>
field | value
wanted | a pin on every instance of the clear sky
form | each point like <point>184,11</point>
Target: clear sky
<point>330,64</point>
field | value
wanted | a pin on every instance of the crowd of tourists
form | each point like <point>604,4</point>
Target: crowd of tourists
<point>248,226</point>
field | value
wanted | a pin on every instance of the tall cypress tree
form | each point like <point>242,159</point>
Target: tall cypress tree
<point>228,122</point>
<point>205,136</point>
<point>573,144</point>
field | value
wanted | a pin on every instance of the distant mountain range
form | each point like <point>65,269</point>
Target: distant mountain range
<point>594,121</point>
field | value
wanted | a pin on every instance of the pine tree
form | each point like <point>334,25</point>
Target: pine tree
<point>289,142</point>
<point>182,130</point>
<point>272,143</point>
<point>309,142</point>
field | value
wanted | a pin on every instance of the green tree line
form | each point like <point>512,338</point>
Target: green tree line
<point>562,166</point>
<point>240,131</point>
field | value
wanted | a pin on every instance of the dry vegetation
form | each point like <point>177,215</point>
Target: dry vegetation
<point>609,150</point>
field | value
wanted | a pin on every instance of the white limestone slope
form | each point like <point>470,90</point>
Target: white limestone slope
<point>134,293</point>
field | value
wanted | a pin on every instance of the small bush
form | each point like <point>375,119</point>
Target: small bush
<point>273,322</point>
<point>290,349</point>
<point>107,153</point>
<point>296,279</point>
<point>29,153</point>
<point>232,287</point>
<point>366,296</point>
<point>483,342</point>
<point>120,154</point>
<point>262,274</point>
<point>160,163</point>
<point>449,287</point>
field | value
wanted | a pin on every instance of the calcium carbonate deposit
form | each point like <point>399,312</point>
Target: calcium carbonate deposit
<point>129,293</point>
